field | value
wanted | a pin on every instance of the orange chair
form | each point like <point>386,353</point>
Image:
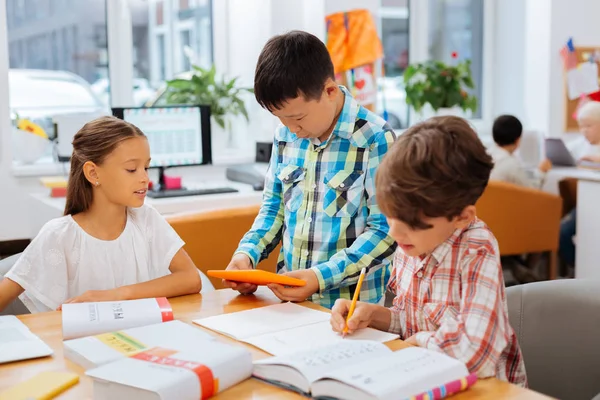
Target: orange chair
<point>523,220</point>
<point>212,237</point>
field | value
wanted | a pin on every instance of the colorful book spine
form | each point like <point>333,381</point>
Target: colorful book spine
<point>448,389</point>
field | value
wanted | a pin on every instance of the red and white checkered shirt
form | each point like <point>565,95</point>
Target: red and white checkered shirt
<point>453,300</point>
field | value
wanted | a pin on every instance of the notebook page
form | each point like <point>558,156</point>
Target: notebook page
<point>401,374</point>
<point>17,342</point>
<point>243,325</point>
<point>312,337</point>
<point>316,363</point>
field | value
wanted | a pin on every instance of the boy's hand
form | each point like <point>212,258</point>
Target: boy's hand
<point>95,295</point>
<point>300,293</point>
<point>545,165</point>
<point>240,262</point>
<point>361,318</point>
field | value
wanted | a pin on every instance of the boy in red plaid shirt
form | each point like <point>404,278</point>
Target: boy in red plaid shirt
<point>447,276</point>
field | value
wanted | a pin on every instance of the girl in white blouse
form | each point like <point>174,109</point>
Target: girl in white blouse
<point>108,245</point>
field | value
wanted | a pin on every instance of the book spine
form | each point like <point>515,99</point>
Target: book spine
<point>448,389</point>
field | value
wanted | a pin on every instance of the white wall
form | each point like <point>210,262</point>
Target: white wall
<point>579,19</point>
<point>509,50</point>
<point>529,79</point>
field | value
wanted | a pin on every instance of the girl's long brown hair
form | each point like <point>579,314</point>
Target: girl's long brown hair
<point>94,142</point>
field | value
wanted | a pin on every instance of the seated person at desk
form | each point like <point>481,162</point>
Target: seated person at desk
<point>108,245</point>
<point>319,195</point>
<point>447,275</point>
<point>587,149</point>
<point>507,132</point>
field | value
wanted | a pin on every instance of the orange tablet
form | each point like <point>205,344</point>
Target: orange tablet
<point>256,276</point>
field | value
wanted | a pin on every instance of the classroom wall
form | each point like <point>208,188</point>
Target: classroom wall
<point>528,75</point>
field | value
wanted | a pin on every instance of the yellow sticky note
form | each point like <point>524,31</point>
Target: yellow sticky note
<point>44,386</point>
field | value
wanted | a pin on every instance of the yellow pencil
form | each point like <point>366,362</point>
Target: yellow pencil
<point>354,300</point>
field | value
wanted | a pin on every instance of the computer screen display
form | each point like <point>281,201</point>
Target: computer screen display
<point>178,135</point>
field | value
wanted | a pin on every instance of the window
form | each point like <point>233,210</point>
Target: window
<point>53,66</point>
<point>168,37</point>
<point>419,30</point>
<point>457,26</point>
<point>394,33</point>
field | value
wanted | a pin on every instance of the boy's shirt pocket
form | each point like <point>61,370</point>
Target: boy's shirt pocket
<point>292,177</point>
<point>437,313</point>
<point>343,192</point>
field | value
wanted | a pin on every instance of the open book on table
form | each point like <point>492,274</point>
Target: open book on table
<point>85,319</point>
<point>366,370</point>
<point>285,328</point>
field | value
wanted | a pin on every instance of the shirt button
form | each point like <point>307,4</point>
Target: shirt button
<point>309,219</point>
<point>306,253</point>
<point>419,274</point>
<point>314,185</point>
<point>342,185</point>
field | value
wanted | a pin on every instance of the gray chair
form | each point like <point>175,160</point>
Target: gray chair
<point>558,327</point>
<point>16,307</point>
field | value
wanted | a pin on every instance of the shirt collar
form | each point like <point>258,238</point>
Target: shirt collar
<point>442,250</point>
<point>344,127</point>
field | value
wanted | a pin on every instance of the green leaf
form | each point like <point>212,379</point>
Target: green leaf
<point>441,85</point>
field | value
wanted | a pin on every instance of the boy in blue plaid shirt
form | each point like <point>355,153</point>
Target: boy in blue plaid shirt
<point>319,195</point>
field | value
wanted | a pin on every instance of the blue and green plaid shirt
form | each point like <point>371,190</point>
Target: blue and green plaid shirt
<point>320,200</point>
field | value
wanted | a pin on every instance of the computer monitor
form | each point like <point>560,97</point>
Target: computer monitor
<point>178,135</point>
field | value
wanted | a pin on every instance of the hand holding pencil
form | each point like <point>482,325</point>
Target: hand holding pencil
<point>348,316</point>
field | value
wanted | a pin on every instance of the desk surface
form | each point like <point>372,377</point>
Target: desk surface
<point>48,327</point>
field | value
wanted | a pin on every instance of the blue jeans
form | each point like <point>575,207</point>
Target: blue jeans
<point>566,247</point>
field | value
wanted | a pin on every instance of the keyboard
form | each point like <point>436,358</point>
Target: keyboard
<point>189,192</point>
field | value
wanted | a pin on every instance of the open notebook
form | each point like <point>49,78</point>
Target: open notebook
<point>365,370</point>
<point>17,342</point>
<point>285,328</point>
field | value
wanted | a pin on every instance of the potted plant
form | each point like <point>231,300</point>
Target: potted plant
<point>444,87</point>
<point>201,86</point>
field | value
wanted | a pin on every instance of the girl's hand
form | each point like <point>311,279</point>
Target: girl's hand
<point>594,159</point>
<point>95,295</point>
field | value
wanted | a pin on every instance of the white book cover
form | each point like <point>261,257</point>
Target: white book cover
<point>285,328</point>
<point>17,342</point>
<point>363,370</point>
<point>163,374</point>
<point>93,351</point>
<point>86,319</point>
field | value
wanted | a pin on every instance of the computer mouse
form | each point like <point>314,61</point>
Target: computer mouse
<point>258,186</point>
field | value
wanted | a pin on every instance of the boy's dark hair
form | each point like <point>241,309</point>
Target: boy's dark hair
<point>507,130</point>
<point>94,142</point>
<point>435,169</point>
<point>291,65</point>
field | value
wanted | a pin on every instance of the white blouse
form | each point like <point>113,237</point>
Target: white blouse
<point>64,261</point>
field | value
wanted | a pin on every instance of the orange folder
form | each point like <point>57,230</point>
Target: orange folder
<point>255,276</point>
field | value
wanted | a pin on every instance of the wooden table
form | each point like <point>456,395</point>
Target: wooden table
<point>48,327</point>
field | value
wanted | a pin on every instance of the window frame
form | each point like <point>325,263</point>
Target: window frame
<point>418,51</point>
